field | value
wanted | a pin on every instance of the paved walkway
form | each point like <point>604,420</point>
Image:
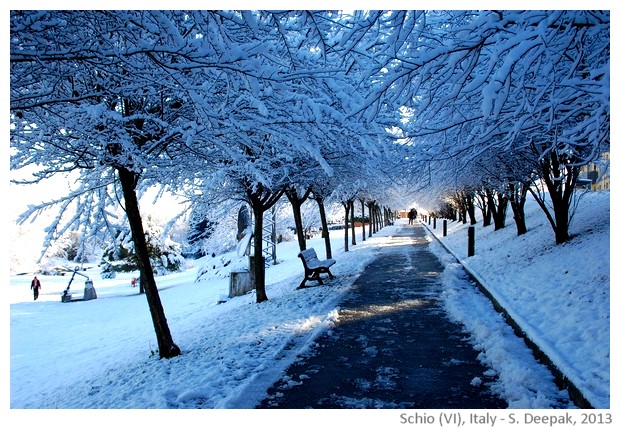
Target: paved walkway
<point>393,346</point>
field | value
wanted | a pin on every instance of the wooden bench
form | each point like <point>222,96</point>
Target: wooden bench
<point>314,267</point>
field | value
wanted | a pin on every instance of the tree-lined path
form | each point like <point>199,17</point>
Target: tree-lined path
<point>384,108</point>
<point>393,345</point>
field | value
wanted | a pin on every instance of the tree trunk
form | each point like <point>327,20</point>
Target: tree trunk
<point>453,212</point>
<point>370,219</point>
<point>296,203</point>
<point>373,218</point>
<point>363,221</point>
<point>461,201</point>
<point>497,208</point>
<point>484,203</point>
<point>352,204</point>
<point>471,209</point>
<point>325,233</point>
<point>560,180</point>
<point>499,216</point>
<point>517,203</point>
<point>167,347</point>
<point>346,225</point>
<point>259,261</point>
<point>261,200</point>
<point>562,200</point>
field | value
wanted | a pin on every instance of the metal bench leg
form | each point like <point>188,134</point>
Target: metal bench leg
<point>316,276</point>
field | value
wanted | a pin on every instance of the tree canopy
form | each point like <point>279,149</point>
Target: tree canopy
<point>243,105</point>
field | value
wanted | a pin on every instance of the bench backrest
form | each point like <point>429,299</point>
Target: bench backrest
<point>308,254</point>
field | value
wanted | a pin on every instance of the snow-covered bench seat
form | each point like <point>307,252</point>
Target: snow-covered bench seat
<point>314,267</point>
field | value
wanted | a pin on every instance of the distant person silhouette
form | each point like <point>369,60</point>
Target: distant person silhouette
<point>35,286</point>
<point>413,213</point>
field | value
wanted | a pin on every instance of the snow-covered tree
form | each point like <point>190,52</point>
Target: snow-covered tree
<point>503,82</point>
<point>133,99</point>
<point>104,93</point>
<point>270,134</point>
<point>165,255</point>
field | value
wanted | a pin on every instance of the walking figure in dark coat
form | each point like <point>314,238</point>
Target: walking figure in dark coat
<point>413,213</point>
<point>35,286</point>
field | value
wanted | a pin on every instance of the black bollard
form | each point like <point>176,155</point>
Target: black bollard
<point>445,227</point>
<point>470,234</point>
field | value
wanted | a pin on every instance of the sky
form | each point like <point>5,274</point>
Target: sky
<point>100,353</point>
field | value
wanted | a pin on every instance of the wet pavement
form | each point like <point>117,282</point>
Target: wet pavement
<point>393,345</point>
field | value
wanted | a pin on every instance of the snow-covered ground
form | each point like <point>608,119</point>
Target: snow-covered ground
<point>102,353</point>
<point>559,295</point>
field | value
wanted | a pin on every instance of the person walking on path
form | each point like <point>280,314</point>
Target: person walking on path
<point>35,286</point>
<point>411,216</point>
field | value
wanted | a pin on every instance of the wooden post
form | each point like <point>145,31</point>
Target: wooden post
<point>471,235</point>
<point>445,227</point>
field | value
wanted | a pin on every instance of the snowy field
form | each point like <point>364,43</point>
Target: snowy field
<point>102,353</point>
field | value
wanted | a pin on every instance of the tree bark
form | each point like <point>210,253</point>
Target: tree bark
<point>461,203</point>
<point>325,234</point>
<point>560,180</point>
<point>261,200</point>
<point>370,219</point>
<point>500,215</point>
<point>352,204</point>
<point>471,210</point>
<point>517,195</point>
<point>497,208</point>
<point>296,202</point>
<point>375,217</point>
<point>346,225</point>
<point>363,220</point>
<point>484,203</point>
<point>167,347</point>
<point>259,261</point>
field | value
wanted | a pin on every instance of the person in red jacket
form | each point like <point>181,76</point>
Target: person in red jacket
<point>35,286</point>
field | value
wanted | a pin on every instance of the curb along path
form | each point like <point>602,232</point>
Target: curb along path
<point>392,346</point>
<point>561,380</point>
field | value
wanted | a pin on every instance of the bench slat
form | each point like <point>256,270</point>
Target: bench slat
<point>315,263</point>
<point>309,254</point>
